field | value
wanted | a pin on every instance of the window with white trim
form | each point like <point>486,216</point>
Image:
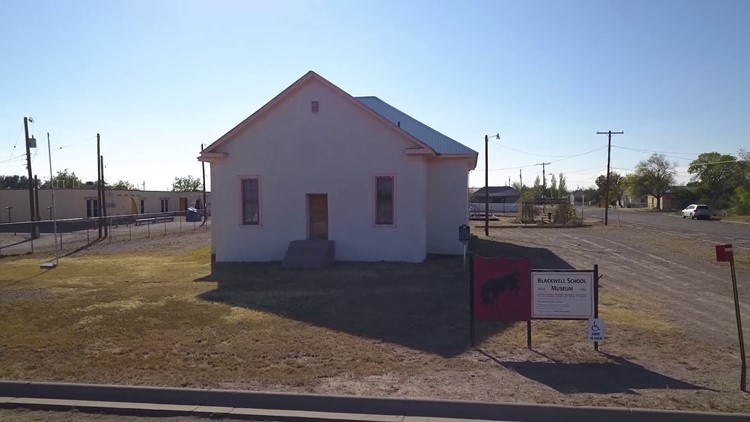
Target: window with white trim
<point>384,201</point>
<point>251,201</point>
<point>164,205</point>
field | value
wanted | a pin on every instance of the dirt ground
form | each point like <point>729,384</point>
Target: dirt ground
<point>151,312</point>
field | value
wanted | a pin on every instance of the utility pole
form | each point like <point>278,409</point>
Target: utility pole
<point>520,176</point>
<point>487,184</point>
<point>32,203</point>
<point>544,179</point>
<point>609,134</point>
<point>37,217</point>
<point>98,186</point>
<point>104,201</point>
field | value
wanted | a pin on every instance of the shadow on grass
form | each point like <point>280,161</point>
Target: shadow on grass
<point>421,306</point>
<point>541,258</point>
<point>618,375</point>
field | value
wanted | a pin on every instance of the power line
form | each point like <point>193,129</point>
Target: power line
<point>514,168</point>
<point>645,151</point>
<point>13,158</point>
<point>579,155</point>
<point>552,161</point>
<point>16,143</point>
<point>527,153</point>
<point>581,171</point>
<point>658,152</point>
<point>77,142</point>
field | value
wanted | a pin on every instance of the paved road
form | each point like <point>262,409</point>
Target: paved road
<point>717,231</point>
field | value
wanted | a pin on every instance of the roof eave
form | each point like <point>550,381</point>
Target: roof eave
<point>210,157</point>
<point>420,151</point>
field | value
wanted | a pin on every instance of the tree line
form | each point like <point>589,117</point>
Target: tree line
<point>65,179</point>
<point>557,188</point>
<point>721,181</point>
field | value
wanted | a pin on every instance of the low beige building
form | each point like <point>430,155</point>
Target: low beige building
<point>82,203</point>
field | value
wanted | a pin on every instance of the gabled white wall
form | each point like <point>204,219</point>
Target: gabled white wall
<point>447,204</point>
<point>337,151</point>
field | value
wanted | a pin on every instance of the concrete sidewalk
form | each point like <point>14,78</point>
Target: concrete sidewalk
<point>155,401</point>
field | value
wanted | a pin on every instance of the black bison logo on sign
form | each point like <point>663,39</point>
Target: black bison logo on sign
<point>492,289</point>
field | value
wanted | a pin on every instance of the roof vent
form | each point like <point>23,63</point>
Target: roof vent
<point>315,106</point>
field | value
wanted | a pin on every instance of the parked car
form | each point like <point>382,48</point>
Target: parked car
<point>698,211</point>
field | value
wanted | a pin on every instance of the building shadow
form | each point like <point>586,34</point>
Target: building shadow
<point>617,375</point>
<point>541,258</point>
<point>420,306</point>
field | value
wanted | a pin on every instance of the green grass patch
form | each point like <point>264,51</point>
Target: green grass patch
<point>740,218</point>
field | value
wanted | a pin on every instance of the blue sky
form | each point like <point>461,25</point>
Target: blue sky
<point>158,78</point>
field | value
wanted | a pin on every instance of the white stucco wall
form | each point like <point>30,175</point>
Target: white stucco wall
<point>447,203</point>
<point>337,151</point>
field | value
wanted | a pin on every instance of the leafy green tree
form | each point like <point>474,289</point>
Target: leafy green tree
<point>536,191</point>
<point>553,192</point>
<point>186,184</point>
<point>518,186</point>
<point>562,185</point>
<point>682,196</point>
<point>615,188</point>
<point>123,185</point>
<point>631,188</point>
<point>64,179</point>
<point>14,182</point>
<point>717,177</point>
<point>741,201</point>
<point>655,176</point>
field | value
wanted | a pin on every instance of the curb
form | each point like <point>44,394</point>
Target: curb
<point>278,406</point>
<point>534,226</point>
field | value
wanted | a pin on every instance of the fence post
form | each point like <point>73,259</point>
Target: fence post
<point>148,225</point>
<point>130,232</point>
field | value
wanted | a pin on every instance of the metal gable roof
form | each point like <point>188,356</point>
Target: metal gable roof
<point>496,191</point>
<point>441,144</point>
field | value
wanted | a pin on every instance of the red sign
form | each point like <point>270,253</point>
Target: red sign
<point>502,289</point>
<point>724,253</point>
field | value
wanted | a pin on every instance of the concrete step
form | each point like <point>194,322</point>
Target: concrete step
<point>309,254</point>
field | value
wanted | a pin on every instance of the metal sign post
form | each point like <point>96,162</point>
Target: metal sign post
<point>724,253</point>
<point>464,236</point>
<point>471,299</point>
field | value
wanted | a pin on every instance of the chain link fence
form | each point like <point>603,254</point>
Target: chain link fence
<point>77,233</point>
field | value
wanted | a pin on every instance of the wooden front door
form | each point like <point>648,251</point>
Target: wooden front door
<point>317,216</point>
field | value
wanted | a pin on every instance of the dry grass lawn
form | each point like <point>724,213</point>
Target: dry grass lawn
<point>158,316</point>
